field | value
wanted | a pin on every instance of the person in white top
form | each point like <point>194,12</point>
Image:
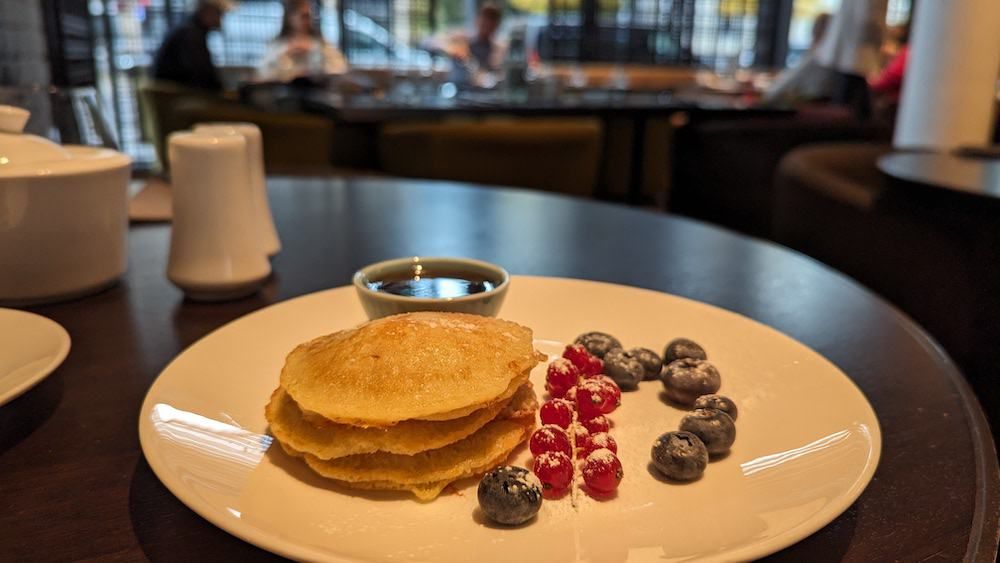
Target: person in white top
<point>299,50</point>
<point>851,48</point>
<point>808,81</point>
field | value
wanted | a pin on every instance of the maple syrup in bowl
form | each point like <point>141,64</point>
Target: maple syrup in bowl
<point>459,285</point>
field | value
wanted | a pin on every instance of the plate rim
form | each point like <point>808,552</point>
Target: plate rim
<point>64,346</point>
<point>273,543</point>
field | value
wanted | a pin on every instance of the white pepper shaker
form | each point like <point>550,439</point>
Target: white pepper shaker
<point>266,230</point>
<point>215,250</point>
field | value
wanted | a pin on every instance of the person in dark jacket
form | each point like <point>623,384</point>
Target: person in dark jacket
<point>183,57</point>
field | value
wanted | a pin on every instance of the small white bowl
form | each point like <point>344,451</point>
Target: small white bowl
<point>379,304</point>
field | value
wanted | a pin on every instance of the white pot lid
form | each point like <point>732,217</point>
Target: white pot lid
<point>19,148</point>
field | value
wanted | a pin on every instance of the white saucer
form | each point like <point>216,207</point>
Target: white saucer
<point>31,347</point>
<point>807,443</point>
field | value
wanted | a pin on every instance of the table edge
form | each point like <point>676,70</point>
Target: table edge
<point>986,512</point>
<point>945,186</point>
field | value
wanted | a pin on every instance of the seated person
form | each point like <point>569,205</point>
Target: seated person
<point>807,81</point>
<point>476,52</point>
<point>850,49</point>
<point>887,84</point>
<point>299,50</point>
<point>183,57</point>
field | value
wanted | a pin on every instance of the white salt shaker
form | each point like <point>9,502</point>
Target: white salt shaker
<point>266,230</point>
<point>215,252</point>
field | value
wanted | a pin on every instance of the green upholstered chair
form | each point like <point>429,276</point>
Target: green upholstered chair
<point>555,155</point>
<point>293,142</point>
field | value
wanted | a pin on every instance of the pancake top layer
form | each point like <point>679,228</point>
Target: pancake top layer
<point>412,366</point>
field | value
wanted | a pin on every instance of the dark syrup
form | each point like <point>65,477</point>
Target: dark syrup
<point>433,285</point>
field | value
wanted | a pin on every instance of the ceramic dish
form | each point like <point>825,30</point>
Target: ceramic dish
<point>379,304</point>
<point>33,347</point>
<point>807,443</point>
<point>63,215</point>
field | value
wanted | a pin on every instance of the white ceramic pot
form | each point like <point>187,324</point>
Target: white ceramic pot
<point>63,216</point>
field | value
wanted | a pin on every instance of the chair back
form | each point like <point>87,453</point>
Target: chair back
<point>556,155</point>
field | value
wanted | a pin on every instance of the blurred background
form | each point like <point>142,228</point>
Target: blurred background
<point>103,49</point>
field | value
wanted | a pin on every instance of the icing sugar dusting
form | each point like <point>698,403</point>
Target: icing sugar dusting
<point>562,366</point>
<point>602,455</point>
<point>532,481</point>
<point>601,439</point>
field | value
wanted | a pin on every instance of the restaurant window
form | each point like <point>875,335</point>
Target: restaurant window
<point>129,32</point>
<point>805,12</point>
<point>387,32</point>
<point>718,34</point>
<point>700,32</point>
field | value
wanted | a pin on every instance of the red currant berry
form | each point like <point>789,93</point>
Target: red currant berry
<point>577,354</point>
<point>600,377</point>
<point>599,423</point>
<point>589,366</point>
<point>595,398</point>
<point>561,375</point>
<point>594,442</point>
<point>579,434</point>
<point>593,366</point>
<point>550,438</point>
<point>555,471</point>
<point>558,412</point>
<point>602,471</point>
<point>604,378</point>
<point>610,382</point>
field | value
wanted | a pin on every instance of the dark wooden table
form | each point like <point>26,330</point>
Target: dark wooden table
<point>974,176</point>
<point>74,484</point>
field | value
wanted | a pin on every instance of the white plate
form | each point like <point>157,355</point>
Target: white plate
<point>31,347</point>
<point>807,443</point>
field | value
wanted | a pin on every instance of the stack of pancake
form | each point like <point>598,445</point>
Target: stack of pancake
<point>409,402</point>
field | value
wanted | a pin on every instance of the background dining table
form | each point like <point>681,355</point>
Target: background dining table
<point>422,100</point>
<point>74,484</point>
<point>971,175</point>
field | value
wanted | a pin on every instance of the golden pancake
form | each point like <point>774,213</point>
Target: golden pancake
<point>428,365</point>
<point>425,474</point>
<point>423,491</point>
<point>332,440</point>
<point>498,402</point>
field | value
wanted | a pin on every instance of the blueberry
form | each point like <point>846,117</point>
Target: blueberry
<point>687,379</point>
<point>651,362</point>
<point>625,369</point>
<point>683,348</point>
<point>714,427</point>
<point>681,456</point>
<point>598,343</point>
<point>510,495</point>
<point>718,402</point>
